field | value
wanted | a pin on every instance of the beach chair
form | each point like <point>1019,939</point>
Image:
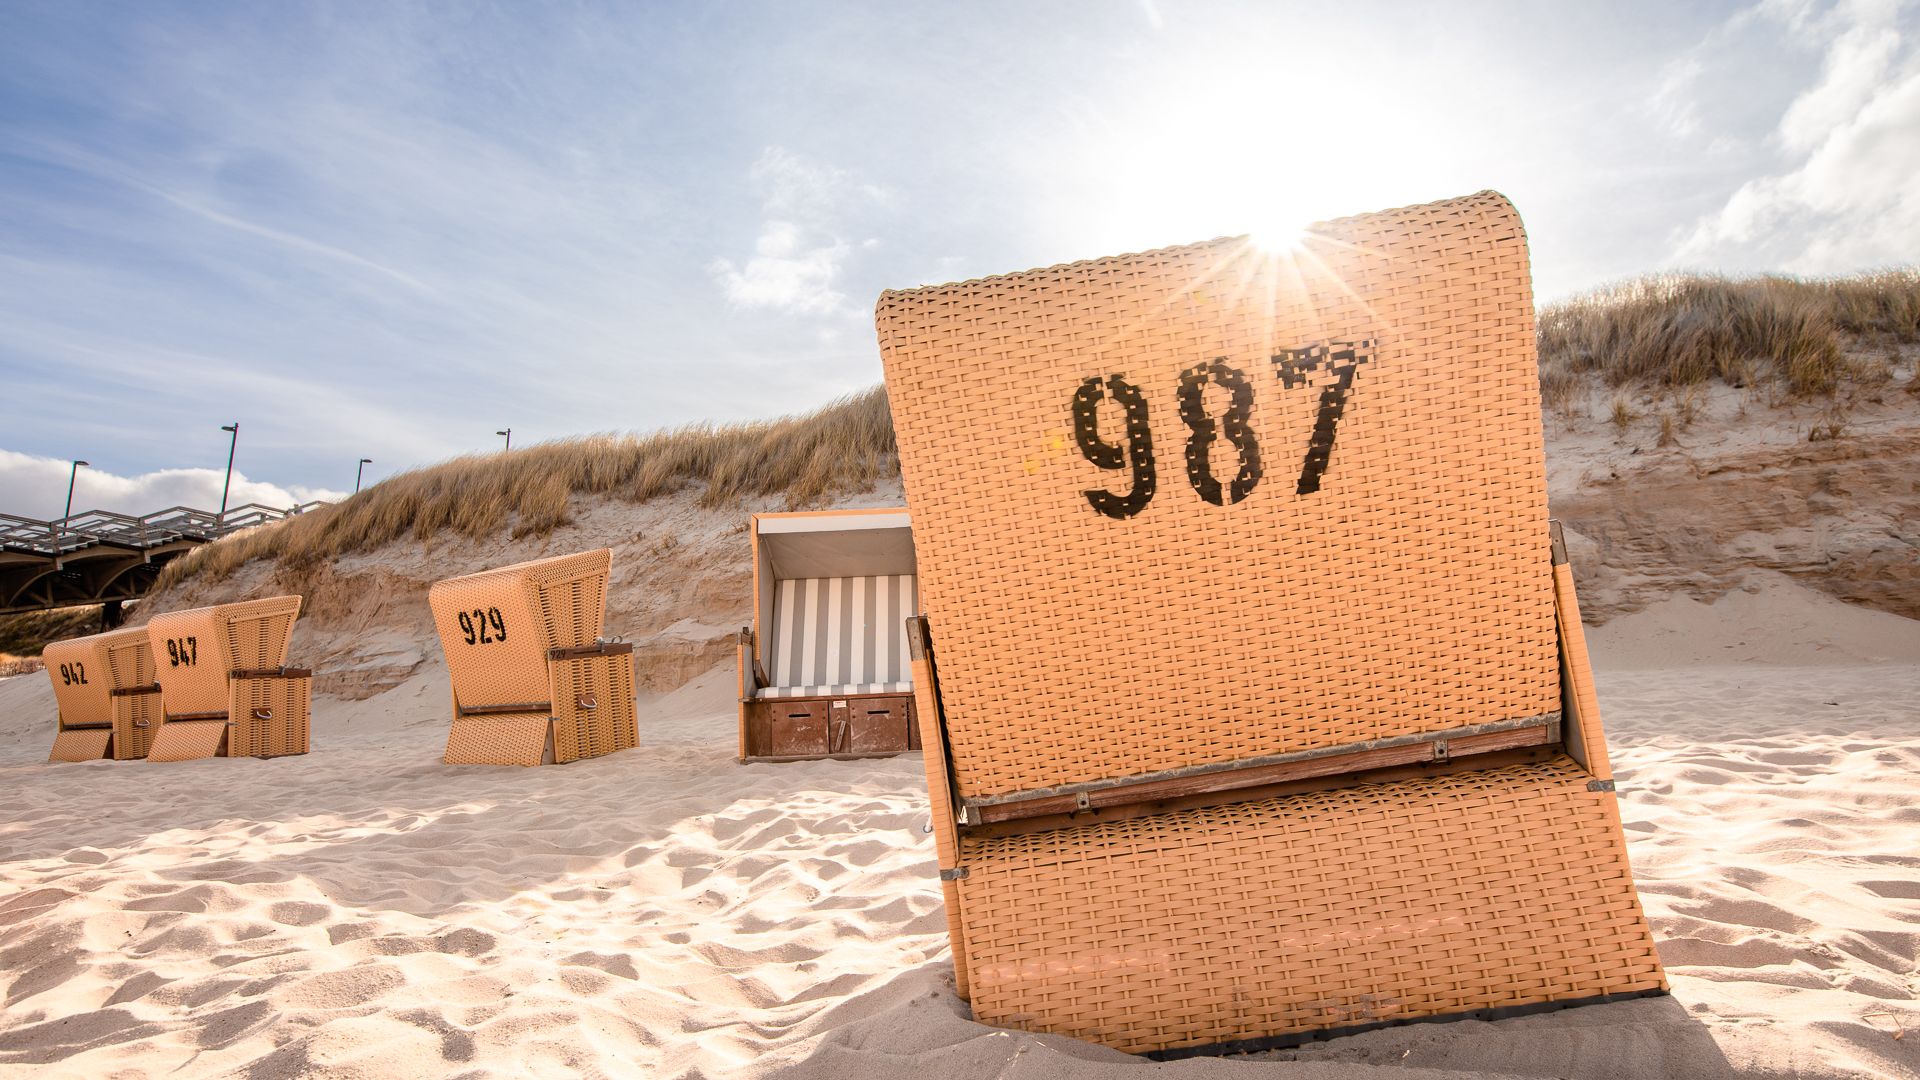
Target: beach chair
<point>823,668</point>
<point>532,681</point>
<point>225,687</point>
<point>1251,682</point>
<point>109,704</point>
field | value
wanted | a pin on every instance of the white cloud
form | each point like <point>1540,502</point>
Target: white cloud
<point>799,257</point>
<point>37,487</point>
<point>1849,198</point>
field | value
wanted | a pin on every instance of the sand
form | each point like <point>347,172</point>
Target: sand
<point>368,911</point>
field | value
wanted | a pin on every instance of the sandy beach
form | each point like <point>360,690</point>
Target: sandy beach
<point>368,911</point>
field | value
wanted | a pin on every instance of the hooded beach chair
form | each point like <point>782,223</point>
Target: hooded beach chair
<point>823,669</point>
<point>109,704</point>
<point>225,687</point>
<point>532,681</point>
<point>1251,681</point>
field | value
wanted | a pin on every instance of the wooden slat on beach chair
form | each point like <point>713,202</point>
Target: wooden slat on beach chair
<point>1251,679</point>
<point>532,681</point>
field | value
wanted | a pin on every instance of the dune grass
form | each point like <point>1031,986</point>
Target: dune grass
<point>845,446</point>
<point>1681,330</point>
<point>1670,333</point>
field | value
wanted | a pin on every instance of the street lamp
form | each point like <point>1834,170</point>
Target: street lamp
<point>364,462</point>
<point>509,434</point>
<point>231,447</point>
<point>71,475</point>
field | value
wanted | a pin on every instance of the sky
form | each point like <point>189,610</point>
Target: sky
<point>390,230</point>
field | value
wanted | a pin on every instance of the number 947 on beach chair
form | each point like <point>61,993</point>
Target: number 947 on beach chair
<point>532,681</point>
<point>225,687</point>
<point>1251,680</point>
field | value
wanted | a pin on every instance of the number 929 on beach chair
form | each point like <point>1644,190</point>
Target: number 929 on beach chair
<point>823,669</point>
<point>225,687</point>
<point>533,683</point>
<point>1251,680</point>
<point>108,701</point>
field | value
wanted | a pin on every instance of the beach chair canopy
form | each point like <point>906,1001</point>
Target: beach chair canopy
<point>82,684</point>
<point>1211,541</point>
<point>225,687</point>
<point>531,679</point>
<point>824,669</point>
<point>834,591</point>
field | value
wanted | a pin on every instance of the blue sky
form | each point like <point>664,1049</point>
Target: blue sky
<point>389,230</point>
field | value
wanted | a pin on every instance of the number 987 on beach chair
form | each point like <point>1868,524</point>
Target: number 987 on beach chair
<point>532,681</point>
<point>1251,680</point>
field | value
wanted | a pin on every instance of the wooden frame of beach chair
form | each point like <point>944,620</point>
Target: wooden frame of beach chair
<point>225,687</point>
<point>1300,742</point>
<point>532,681</point>
<point>823,669</point>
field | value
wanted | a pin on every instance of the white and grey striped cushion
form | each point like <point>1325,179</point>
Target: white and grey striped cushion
<point>831,634</point>
<point>835,690</point>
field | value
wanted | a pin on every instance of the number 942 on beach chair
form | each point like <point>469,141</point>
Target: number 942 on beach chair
<point>532,681</point>
<point>1251,682</point>
<point>108,701</point>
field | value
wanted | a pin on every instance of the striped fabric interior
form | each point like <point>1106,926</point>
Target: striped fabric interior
<point>844,635</point>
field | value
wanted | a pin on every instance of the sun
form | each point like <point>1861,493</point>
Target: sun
<point>1279,241</point>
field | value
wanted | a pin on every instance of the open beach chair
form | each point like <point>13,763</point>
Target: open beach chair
<point>1251,679</point>
<point>225,687</point>
<point>823,669</point>
<point>108,701</point>
<point>532,681</point>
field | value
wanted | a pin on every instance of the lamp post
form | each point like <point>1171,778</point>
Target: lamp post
<point>72,474</point>
<point>509,434</point>
<point>231,447</point>
<point>364,462</point>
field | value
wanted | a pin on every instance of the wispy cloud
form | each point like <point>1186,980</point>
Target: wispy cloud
<point>799,256</point>
<point>1849,194</point>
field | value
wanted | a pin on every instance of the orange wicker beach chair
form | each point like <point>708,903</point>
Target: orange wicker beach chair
<point>225,687</point>
<point>533,683</point>
<point>1251,680</point>
<point>109,703</point>
<point>823,669</point>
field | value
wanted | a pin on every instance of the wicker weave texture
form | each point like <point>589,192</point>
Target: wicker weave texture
<point>593,707</point>
<point>1324,910</point>
<point>186,740</point>
<point>80,745</point>
<point>82,682</point>
<point>512,616</point>
<point>271,717</point>
<point>507,739</point>
<point>196,651</point>
<point>1231,616</point>
<point>136,716</point>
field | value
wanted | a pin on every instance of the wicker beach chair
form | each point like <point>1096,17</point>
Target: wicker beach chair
<point>823,669</point>
<point>1251,680</point>
<point>103,685</point>
<point>225,687</point>
<point>532,681</point>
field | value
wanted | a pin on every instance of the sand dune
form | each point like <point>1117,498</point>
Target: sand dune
<point>367,911</point>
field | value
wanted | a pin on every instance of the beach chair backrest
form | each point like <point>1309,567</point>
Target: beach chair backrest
<point>840,630</point>
<point>497,627</point>
<point>129,657</point>
<point>1223,502</point>
<point>196,651</point>
<point>82,683</point>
